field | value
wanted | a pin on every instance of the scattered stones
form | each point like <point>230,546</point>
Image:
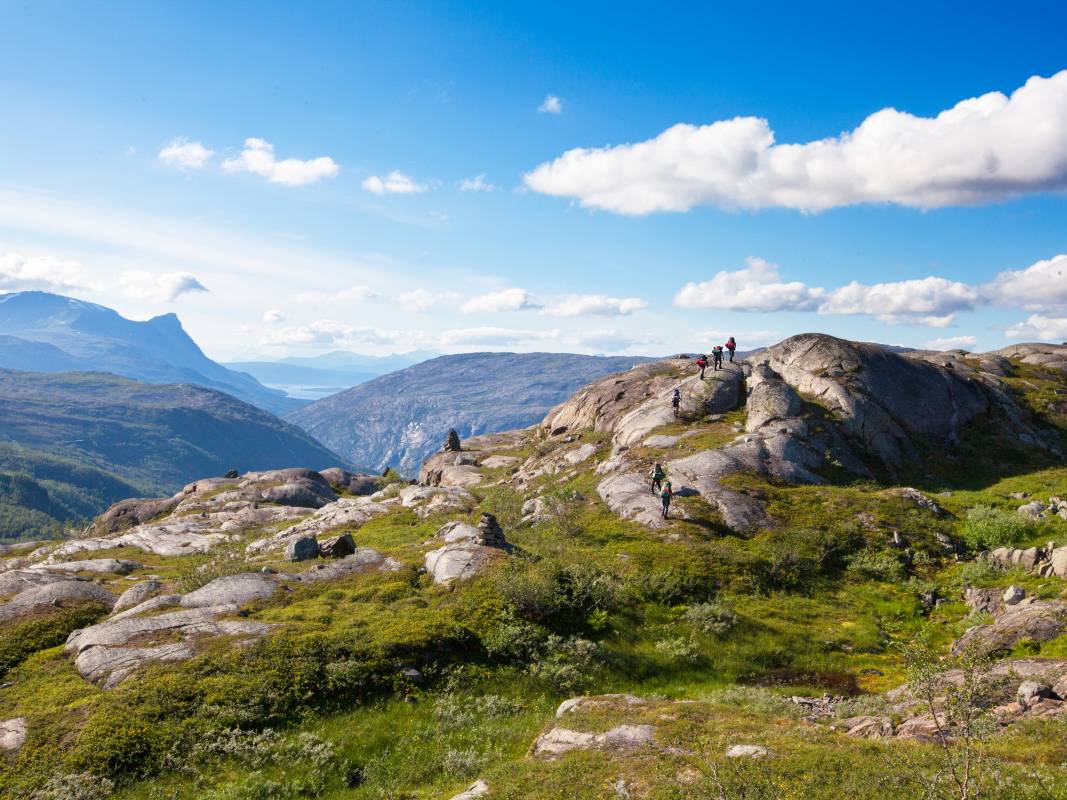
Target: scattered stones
<point>866,727</point>
<point>747,751</point>
<point>1032,691</point>
<point>302,548</point>
<point>1045,561</point>
<point>1033,510</point>
<point>921,500</point>
<point>337,546</point>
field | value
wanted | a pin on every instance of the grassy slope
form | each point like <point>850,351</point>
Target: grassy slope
<point>807,623</point>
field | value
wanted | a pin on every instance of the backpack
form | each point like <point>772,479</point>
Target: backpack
<point>702,361</point>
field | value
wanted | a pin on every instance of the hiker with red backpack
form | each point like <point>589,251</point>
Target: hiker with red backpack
<point>702,362</point>
<point>731,345</point>
<point>716,355</point>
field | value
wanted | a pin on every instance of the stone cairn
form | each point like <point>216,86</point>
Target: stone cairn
<point>490,533</point>
<point>452,444</point>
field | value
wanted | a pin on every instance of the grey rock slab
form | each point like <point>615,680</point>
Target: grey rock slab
<point>110,566</point>
<point>747,751</point>
<point>365,559</point>
<point>630,496</point>
<point>345,513</point>
<point>427,500</point>
<point>576,704</point>
<point>232,590</point>
<point>54,594</point>
<point>1032,510</point>
<point>660,440</point>
<point>300,495</point>
<point>151,604</point>
<point>109,666</point>
<point>1038,622</point>
<point>497,461</point>
<point>458,561</point>
<point>18,580</point>
<point>136,595</point>
<point>580,454</point>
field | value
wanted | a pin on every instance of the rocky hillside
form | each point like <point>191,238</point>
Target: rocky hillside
<point>399,419</point>
<point>859,590</point>
<point>45,332</point>
<point>73,443</point>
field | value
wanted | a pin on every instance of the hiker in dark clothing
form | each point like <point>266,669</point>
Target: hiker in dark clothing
<point>731,345</point>
<point>716,354</point>
<point>676,401</point>
<point>665,496</point>
<point>657,475</point>
<point>702,362</point>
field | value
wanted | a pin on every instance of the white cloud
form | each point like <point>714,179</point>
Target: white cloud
<point>551,105</point>
<point>353,294</point>
<point>164,288</point>
<point>497,302</point>
<point>757,287</point>
<point>982,149</point>
<point>476,184</point>
<point>928,301</point>
<point>1040,328</point>
<point>494,337</point>
<point>599,305</point>
<point>331,333</point>
<point>183,154</point>
<point>396,182</point>
<point>42,273</point>
<point>1040,287</point>
<point>258,158</point>
<point>953,343</point>
<point>273,317</point>
<point>419,300</point>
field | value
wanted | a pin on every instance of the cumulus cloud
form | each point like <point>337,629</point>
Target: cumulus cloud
<point>476,184</point>
<point>953,343</point>
<point>163,288</point>
<point>273,317</point>
<point>982,149</point>
<point>419,300</point>
<point>757,287</point>
<point>597,305</point>
<point>1040,287</point>
<point>928,301</point>
<point>551,105</point>
<point>396,182</point>
<point>42,273</point>
<point>353,294</point>
<point>498,302</point>
<point>184,154</point>
<point>1039,328</point>
<point>258,158</point>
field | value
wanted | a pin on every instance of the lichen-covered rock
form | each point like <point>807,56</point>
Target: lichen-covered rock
<point>13,734</point>
<point>131,513</point>
<point>474,791</point>
<point>559,741</point>
<point>1037,622</point>
<point>56,594</point>
<point>231,590</point>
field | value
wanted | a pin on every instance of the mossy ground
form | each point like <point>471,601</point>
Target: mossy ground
<point>822,604</point>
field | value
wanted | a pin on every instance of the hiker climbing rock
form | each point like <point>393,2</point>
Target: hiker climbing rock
<point>731,345</point>
<point>702,362</point>
<point>676,401</point>
<point>716,354</point>
<point>657,475</point>
<point>665,496</point>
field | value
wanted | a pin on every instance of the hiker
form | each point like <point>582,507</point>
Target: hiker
<point>716,355</point>
<point>657,475</point>
<point>665,496</point>
<point>731,345</point>
<point>676,401</point>
<point>702,362</point>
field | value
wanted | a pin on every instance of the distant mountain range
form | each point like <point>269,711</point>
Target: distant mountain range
<point>72,443</point>
<point>315,377</point>
<point>397,420</point>
<point>50,333</point>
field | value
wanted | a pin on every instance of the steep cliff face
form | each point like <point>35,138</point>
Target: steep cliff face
<point>399,419</point>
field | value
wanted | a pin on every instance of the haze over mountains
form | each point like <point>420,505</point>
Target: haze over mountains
<point>315,377</point>
<point>398,420</point>
<point>51,333</point>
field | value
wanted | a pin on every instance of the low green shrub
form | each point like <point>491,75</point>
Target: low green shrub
<point>985,528</point>
<point>20,640</point>
<point>678,648</point>
<point>876,564</point>
<point>79,786</point>
<point>714,619</point>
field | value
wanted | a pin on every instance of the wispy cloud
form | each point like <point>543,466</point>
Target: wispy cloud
<point>501,301</point>
<point>476,184</point>
<point>396,182</point>
<point>551,105</point>
<point>185,155</point>
<point>164,288</point>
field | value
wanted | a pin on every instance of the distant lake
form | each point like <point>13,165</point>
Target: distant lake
<point>307,392</point>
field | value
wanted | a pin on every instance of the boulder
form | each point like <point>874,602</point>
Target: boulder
<point>747,751</point>
<point>579,454</point>
<point>467,549</point>
<point>559,741</point>
<point>54,595</point>
<point>302,548</point>
<point>131,513</point>
<point>427,500</point>
<point>337,546</point>
<point>1030,692</point>
<point>1038,622</point>
<point>1013,595</point>
<point>364,485</point>
<point>474,791</point>
<point>1032,510</point>
<point>301,495</point>
<point>13,734</point>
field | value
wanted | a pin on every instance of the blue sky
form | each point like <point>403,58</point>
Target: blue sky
<point>127,177</point>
